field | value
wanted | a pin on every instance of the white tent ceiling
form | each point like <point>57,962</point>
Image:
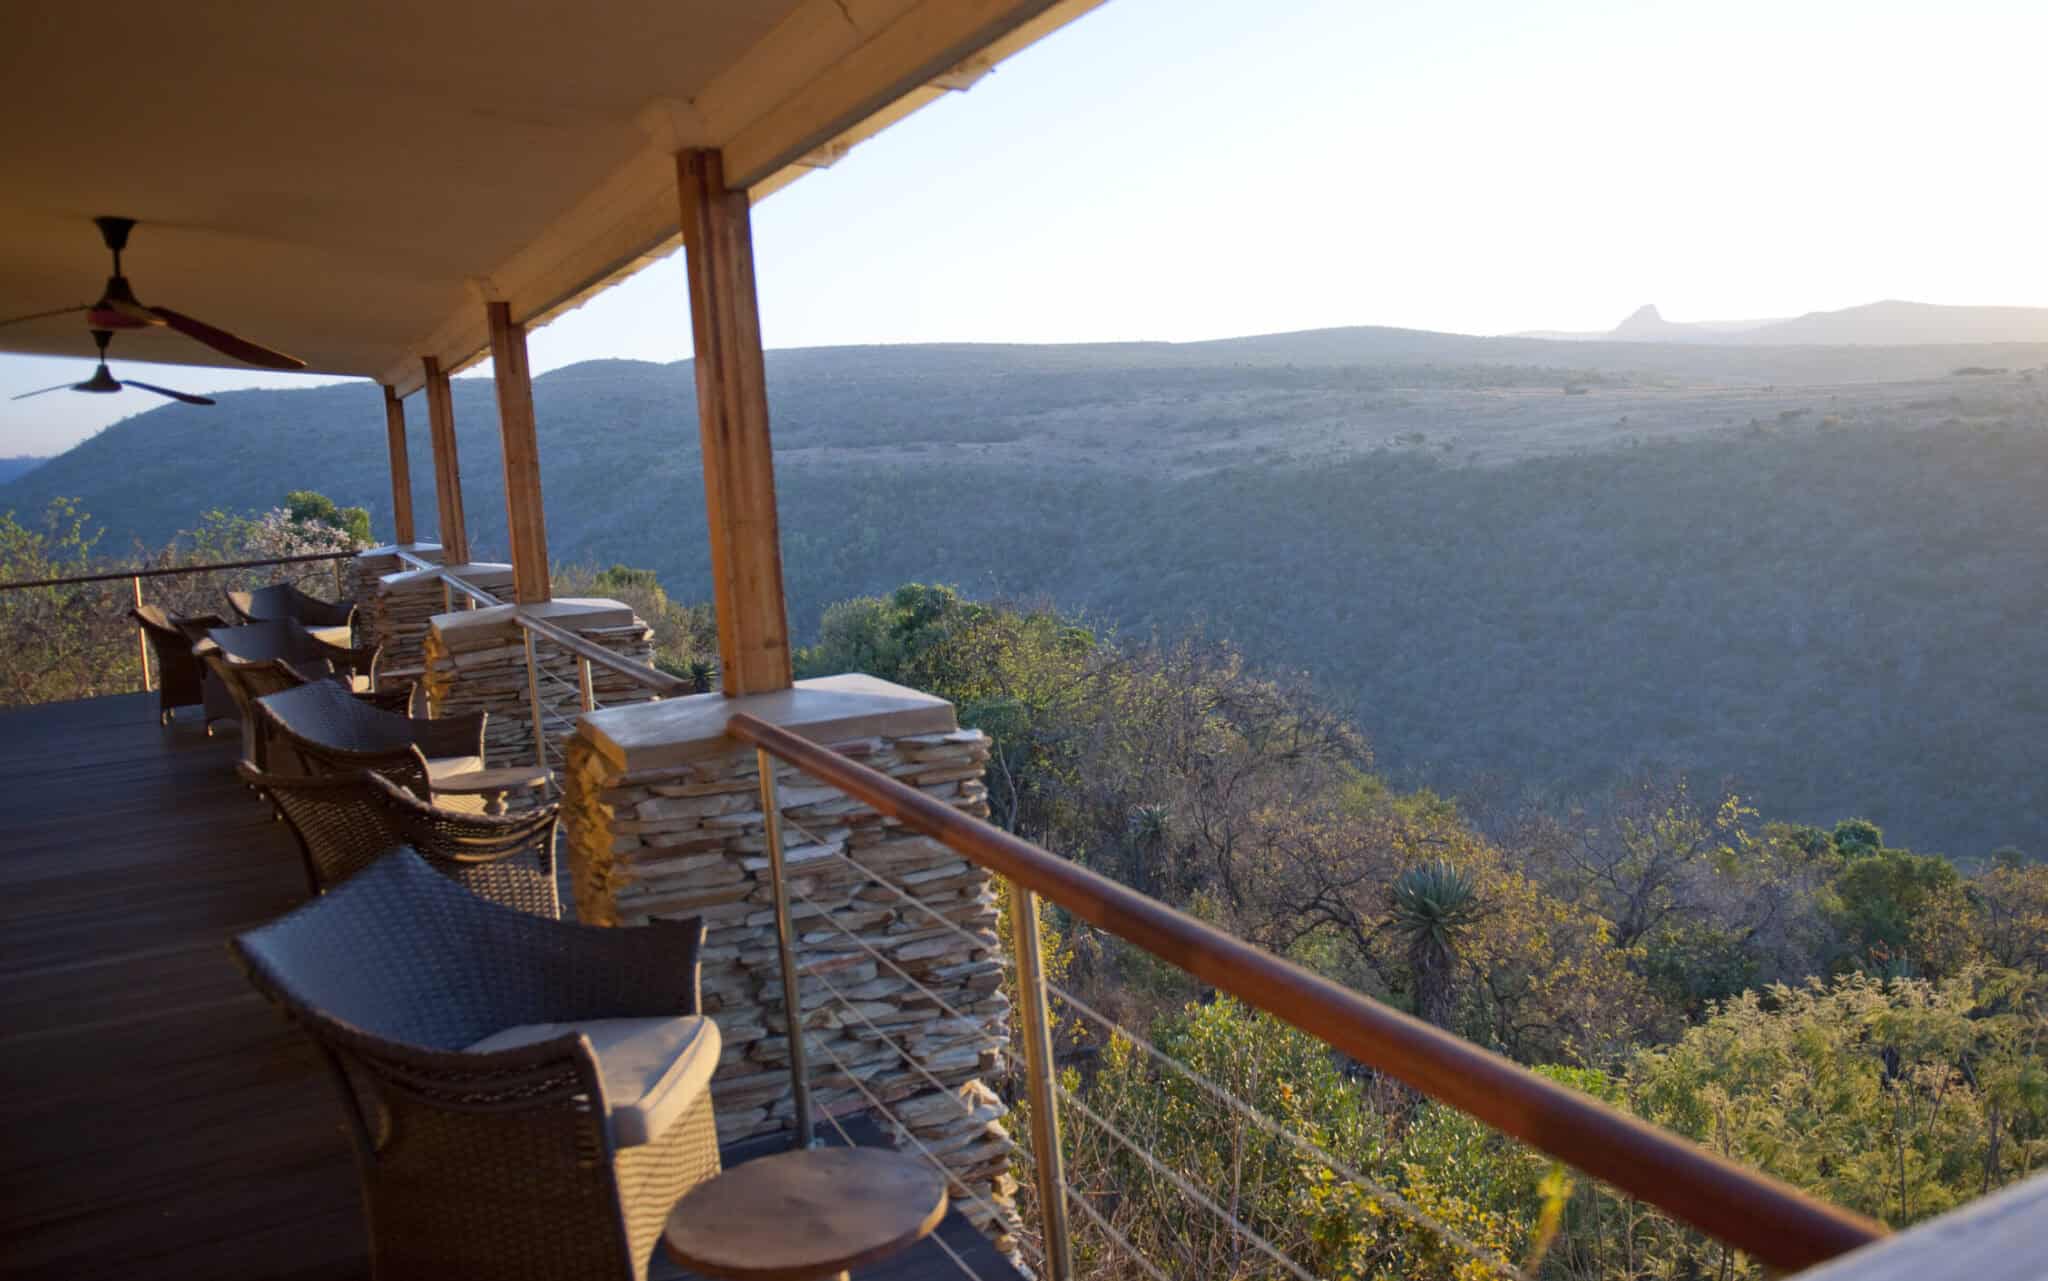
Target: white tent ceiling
<point>349,182</point>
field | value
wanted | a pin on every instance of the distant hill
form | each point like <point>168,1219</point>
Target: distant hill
<point>1878,324</point>
<point>19,465</point>
<point>1521,563</point>
<point>1904,324</point>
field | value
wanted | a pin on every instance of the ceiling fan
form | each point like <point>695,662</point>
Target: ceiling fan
<point>118,308</point>
<point>103,382</point>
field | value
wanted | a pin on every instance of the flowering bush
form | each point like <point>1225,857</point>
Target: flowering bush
<point>76,640</point>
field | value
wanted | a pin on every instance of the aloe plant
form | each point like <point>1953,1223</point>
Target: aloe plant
<point>1433,904</point>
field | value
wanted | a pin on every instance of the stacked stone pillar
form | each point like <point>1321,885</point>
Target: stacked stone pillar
<point>373,563</point>
<point>662,819</point>
<point>475,661</point>
<point>400,611</point>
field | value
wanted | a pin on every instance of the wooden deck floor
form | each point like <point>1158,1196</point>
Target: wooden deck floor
<point>156,1117</point>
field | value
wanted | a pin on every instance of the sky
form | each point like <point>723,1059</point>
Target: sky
<point>1186,169</point>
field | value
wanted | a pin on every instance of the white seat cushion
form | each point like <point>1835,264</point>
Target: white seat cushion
<point>443,766</point>
<point>653,1069</point>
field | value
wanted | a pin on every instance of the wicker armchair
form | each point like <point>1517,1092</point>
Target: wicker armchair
<point>330,732</point>
<point>528,1098</point>
<point>281,601</point>
<point>345,822</point>
<point>257,659</point>
<point>181,677</point>
<point>290,639</point>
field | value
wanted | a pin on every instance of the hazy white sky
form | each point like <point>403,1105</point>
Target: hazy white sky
<point>1177,169</point>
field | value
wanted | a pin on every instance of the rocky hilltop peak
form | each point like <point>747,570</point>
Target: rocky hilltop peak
<point>1646,322</point>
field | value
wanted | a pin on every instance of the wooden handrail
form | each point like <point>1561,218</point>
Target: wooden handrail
<point>1766,1217</point>
<point>651,677</point>
<point>168,571</point>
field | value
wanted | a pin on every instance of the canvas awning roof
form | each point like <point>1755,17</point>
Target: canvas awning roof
<point>350,182</point>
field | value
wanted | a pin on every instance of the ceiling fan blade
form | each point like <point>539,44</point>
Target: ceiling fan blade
<point>226,343</point>
<point>44,315</point>
<point>187,397</point>
<point>25,395</point>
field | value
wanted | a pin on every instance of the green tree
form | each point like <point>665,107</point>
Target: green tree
<point>1898,910</point>
<point>310,508</point>
<point>1858,837</point>
<point>1898,1098</point>
<point>59,642</point>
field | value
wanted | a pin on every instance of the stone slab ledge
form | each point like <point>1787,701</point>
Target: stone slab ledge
<point>826,709</point>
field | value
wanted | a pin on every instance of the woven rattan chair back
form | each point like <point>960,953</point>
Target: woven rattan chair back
<point>493,1165</point>
<point>285,600</point>
<point>345,822</point>
<point>331,731</point>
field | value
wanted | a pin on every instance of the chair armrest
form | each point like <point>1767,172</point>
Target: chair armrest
<point>450,735</point>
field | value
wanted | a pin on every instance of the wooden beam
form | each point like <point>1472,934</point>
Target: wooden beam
<point>447,463</point>
<point>732,424</point>
<point>523,513</point>
<point>401,468</point>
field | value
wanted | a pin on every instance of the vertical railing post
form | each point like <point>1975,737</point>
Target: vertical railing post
<point>1038,1071</point>
<point>447,605</point>
<point>141,634</point>
<point>339,594</point>
<point>540,737</point>
<point>785,946</point>
<point>584,685</point>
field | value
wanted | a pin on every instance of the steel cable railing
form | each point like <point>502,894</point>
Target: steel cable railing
<point>68,636</point>
<point>859,1085</point>
<point>1122,1242</point>
<point>1779,1225</point>
<point>1186,1187</point>
<point>1308,1149</point>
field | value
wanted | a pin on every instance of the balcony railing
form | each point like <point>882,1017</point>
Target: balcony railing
<point>1772,1221</point>
<point>1768,1219</point>
<point>100,621</point>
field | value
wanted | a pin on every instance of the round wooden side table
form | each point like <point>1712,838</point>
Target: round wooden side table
<point>805,1215</point>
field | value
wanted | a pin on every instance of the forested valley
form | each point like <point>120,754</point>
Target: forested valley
<point>1523,566</point>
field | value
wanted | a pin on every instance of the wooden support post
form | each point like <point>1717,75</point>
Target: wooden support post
<point>732,423</point>
<point>523,514</point>
<point>447,464</point>
<point>401,468</point>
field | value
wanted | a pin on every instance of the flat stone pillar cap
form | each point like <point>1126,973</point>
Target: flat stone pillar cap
<point>479,572</point>
<point>826,709</point>
<point>572,613</point>
<point>422,550</point>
